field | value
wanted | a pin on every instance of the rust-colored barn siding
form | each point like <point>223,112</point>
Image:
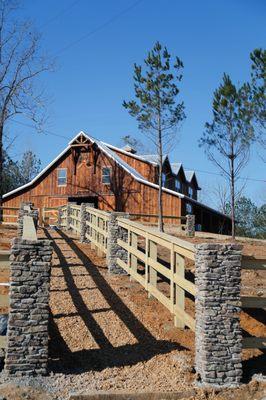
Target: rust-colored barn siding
<point>126,192</point>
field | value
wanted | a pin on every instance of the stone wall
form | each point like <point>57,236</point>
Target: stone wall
<point>84,216</point>
<point>113,249</point>
<point>27,334</point>
<point>190,225</point>
<point>218,334</point>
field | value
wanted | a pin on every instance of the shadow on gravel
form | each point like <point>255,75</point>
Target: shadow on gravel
<point>61,357</point>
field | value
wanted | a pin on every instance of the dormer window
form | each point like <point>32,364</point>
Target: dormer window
<point>178,185</point>
<point>190,192</point>
<point>61,177</point>
<point>188,208</point>
<point>164,180</point>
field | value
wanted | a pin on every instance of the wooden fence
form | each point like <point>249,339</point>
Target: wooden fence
<point>9,215</point>
<point>48,216</point>
<point>142,248</point>
<point>158,262</point>
<point>254,263</point>
<point>97,231</point>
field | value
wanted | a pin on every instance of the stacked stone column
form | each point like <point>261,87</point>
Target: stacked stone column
<point>218,333</point>
<point>27,334</point>
<point>114,251</point>
<point>190,225</point>
<point>84,216</point>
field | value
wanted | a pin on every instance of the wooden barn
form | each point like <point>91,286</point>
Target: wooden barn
<point>111,178</point>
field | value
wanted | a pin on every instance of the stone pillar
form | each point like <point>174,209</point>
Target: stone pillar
<point>31,213</point>
<point>218,334</point>
<point>68,217</point>
<point>27,333</point>
<point>83,219</point>
<point>190,225</point>
<point>59,219</point>
<point>113,249</point>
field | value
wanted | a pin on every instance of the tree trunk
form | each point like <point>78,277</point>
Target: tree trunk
<point>160,193</point>
<point>232,190</point>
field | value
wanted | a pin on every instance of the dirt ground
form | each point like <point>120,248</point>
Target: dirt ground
<point>106,335</point>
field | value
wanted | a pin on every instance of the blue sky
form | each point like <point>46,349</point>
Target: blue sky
<point>94,75</point>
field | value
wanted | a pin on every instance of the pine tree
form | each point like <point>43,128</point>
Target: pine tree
<point>156,108</point>
<point>228,137</point>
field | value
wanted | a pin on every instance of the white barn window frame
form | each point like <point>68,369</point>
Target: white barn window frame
<point>61,176</point>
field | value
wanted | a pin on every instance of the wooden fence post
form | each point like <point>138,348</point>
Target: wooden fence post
<point>179,266</point>
<point>152,279</point>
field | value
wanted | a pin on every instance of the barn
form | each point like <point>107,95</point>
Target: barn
<point>89,170</point>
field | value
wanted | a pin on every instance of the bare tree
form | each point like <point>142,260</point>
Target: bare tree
<point>21,64</point>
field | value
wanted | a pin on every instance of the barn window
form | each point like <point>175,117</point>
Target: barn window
<point>190,192</point>
<point>61,176</point>
<point>188,208</point>
<point>106,176</point>
<point>164,180</point>
<point>177,184</point>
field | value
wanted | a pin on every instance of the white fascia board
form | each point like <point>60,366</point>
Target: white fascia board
<point>138,157</point>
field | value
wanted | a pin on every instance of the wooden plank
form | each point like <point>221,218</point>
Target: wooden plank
<point>253,302</point>
<point>254,343</point>
<point>159,268</point>
<point>179,292</point>
<point>139,254</point>
<point>188,286</point>
<point>256,263</point>
<point>186,318</point>
<point>181,246</point>
<point>132,273</point>
<point>152,272</point>
<point>159,296</point>
<point>133,258</point>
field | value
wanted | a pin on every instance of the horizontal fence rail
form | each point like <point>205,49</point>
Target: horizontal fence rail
<point>74,217</point>
<point>97,227</point>
<point>148,256</point>
<point>9,215</point>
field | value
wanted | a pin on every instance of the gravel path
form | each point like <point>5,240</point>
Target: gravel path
<point>106,335</point>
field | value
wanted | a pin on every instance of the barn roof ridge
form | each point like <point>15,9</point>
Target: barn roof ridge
<point>117,159</point>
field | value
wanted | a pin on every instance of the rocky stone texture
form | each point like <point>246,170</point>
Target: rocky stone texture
<point>68,217</point>
<point>84,216</point>
<point>22,213</point>
<point>218,334</point>
<point>27,333</point>
<point>190,225</point>
<point>59,218</point>
<point>114,251</point>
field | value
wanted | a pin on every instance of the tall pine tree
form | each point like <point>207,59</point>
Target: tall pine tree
<point>156,108</point>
